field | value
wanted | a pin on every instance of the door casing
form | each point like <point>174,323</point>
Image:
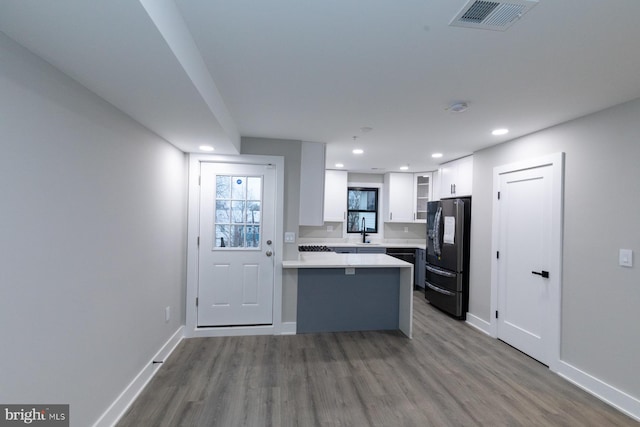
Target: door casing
<point>556,161</point>
<point>193,229</point>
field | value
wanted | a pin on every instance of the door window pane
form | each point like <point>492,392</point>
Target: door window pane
<point>254,188</point>
<point>239,188</point>
<point>253,236</point>
<point>222,236</point>
<point>238,213</point>
<point>223,212</point>
<point>223,187</point>
<point>237,236</point>
<point>253,212</point>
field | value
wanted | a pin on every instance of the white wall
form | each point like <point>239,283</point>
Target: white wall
<point>292,152</point>
<point>600,300</point>
<point>92,241</point>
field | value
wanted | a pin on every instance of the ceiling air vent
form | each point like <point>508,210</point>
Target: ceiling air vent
<point>491,15</point>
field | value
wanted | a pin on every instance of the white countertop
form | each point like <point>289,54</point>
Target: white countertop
<point>334,260</point>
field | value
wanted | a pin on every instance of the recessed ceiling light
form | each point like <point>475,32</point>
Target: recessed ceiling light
<point>436,155</point>
<point>206,148</point>
<point>404,168</point>
<point>366,129</point>
<point>339,165</point>
<point>358,151</point>
<point>498,132</point>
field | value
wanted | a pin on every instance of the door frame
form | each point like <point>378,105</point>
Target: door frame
<point>554,324</point>
<point>193,230</point>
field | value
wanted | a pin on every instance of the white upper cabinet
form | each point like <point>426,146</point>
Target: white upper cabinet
<point>456,178</point>
<point>335,196</point>
<point>312,177</point>
<point>435,186</point>
<point>423,190</point>
<point>398,197</point>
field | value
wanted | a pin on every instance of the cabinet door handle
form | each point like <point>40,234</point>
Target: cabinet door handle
<point>390,216</point>
<point>543,273</point>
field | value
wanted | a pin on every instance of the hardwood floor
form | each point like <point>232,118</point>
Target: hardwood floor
<point>448,375</point>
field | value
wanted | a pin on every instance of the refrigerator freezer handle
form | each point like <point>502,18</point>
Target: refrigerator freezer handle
<point>440,290</point>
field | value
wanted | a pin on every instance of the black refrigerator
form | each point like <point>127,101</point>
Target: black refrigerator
<point>447,267</point>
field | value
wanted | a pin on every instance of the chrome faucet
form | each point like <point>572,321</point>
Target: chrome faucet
<point>364,229</point>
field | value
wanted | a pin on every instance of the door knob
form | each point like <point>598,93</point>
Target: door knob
<point>543,273</point>
<point>268,253</point>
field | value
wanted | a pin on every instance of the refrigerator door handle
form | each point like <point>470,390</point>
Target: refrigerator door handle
<point>460,221</point>
<point>440,272</point>
<point>437,248</point>
<point>439,290</point>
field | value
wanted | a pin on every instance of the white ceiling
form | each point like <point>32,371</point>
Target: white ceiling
<point>198,71</point>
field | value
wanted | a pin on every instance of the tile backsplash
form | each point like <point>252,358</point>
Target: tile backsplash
<point>311,232</point>
<point>390,231</point>
<point>394,230</point>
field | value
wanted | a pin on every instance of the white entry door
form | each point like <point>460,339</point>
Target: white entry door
<point>235,261</point>
<point>527,271</point>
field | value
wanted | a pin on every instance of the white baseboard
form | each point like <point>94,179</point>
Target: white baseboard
<point>231,331</point>
<point>618,399</point>
<point>479,324</point>
<point>135,387</point>
<point>288,328</point>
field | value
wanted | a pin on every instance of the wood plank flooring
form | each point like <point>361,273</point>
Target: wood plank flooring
<point>448,375</point>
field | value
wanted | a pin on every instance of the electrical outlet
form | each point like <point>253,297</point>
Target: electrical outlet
<point>167,313</point>
<point>289,237</point>
<point>406,229</point>
<point>329,228</point>
<point>349,271</point>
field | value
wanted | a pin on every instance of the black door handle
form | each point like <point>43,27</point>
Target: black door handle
<point>543,273</point>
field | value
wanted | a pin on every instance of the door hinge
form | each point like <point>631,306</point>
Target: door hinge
<point>199,180</point>
<point>498,255</point>
<point>498,195</point>
<point>496,314</point>
<point>197,302</point>
<point>198,241</point>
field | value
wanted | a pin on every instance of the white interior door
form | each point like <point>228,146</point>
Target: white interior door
<point>235,258</point>
<point>525,241</point>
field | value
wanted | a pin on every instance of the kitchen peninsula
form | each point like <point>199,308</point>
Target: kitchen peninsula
<point>351,292</point>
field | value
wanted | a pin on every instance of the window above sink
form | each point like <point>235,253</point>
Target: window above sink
<point>362,203</point>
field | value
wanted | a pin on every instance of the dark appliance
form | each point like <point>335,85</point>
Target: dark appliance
<point>408,255</point>
<point>447,268</point>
